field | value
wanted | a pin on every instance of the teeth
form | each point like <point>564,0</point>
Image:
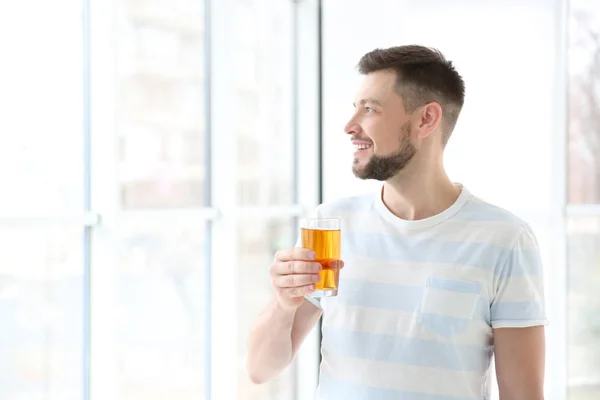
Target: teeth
<point>362,146</point>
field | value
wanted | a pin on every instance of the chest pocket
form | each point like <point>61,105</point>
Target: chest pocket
<point>448,305</point>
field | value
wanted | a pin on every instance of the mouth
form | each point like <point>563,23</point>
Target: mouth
<point>361,148</point>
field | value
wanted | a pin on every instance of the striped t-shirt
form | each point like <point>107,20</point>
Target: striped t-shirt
<point>418,300</point>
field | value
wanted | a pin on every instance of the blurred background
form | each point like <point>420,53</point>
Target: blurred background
<point>154,155</point>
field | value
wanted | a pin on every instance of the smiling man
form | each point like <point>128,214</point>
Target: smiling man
<point>436,281</point>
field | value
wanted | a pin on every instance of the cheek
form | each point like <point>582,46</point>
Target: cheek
<point>376,130</point>
<point>386,135</point>
<point>384,140</point>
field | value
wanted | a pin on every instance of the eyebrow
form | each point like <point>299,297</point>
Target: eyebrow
<point>369,100</point>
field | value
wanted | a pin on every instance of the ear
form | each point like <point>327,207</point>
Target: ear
<point>430,117</point>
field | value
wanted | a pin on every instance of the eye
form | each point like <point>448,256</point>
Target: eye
<point>369,110</point>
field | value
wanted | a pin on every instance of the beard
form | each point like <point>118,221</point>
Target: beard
<point>382,168</point>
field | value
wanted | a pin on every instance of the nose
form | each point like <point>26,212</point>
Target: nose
<point>352,128</point>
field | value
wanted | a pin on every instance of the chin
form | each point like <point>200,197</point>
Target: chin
<point>358,171</point>
<point>358,166</point>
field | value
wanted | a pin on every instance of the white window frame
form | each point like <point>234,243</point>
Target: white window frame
<point>556,278</point>
<point>102,211</point>
<point>224,183</point>
<point>570,210</point>
<point>222,215</point>
<point>309,128</point>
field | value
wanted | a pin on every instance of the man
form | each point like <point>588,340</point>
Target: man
<point>435,281</point>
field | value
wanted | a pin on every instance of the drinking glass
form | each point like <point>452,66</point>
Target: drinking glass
<point>323,236</point>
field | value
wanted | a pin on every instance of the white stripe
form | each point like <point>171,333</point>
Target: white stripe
<point>401,324</point>
<point>449,303</point>
<point>520,324</point>
<point>489,232</point>
<point>498,233</point>
<point>403,377</point>
<point>523,288</point>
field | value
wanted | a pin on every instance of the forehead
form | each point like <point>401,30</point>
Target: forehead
<point>380,85</point>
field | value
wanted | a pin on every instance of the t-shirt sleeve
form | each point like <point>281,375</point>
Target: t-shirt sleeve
<point>518,301</point>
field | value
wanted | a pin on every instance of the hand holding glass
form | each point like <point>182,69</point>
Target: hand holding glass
<point>323,236</point>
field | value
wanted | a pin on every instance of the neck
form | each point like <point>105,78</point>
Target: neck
<point>419,192</point>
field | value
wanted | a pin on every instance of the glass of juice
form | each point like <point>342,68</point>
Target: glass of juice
<point>323,236</point>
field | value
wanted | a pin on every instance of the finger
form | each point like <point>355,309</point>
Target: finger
<point>297,291</point>
<point>296,253</point>
<point>296,267</point>
<point>295,280</point>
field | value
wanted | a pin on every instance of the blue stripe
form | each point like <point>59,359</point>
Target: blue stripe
<point>417,352</point>
<point>522,263</point>
<point>517,311</point>
<point>333,389</point>
<point>474,211</point>
<point>388,296</point>
<point>454,285</point>
<point>479,255</point>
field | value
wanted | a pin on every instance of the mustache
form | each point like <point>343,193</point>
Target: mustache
<point>363,139</point>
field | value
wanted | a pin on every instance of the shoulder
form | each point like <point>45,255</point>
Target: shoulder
<point>492,218</point>
<point>477,209</point>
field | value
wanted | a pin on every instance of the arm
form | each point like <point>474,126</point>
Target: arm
<point>276,338</point>
<point>289,317</point>
<point>520,358</point>
<point>518,318</point>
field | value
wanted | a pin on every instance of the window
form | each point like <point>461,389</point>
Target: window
<point>584,307</point>
<point>41,142</point>
<point>160,274</point>
<point>41,312</point>
<point>160,104</point>
<point>584,107</point>
<point>262,168</point>
<point>259,238</point>
<point>42,270</point>
<point>583,224</point>
<point>160,317</point>
<point>149,164</point>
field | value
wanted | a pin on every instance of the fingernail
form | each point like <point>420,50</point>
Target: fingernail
<point>312,255</point>
<point>316,278</point>
<point>311,288</point>
<point>317,267</point>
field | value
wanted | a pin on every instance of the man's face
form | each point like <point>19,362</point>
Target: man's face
<point>380,129</point>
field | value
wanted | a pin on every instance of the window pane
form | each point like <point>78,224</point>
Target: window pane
<point>259,239</point>
<point>584,97</point>
<point>41,94</point>
<point>584,307</point>
<point>160,334</point>
<point>41,313</point>
<point>160,103</point>
<point>263,34</point>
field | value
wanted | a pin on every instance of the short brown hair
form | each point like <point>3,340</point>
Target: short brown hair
<point>424,76</point>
